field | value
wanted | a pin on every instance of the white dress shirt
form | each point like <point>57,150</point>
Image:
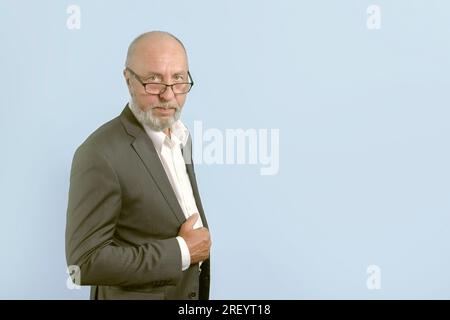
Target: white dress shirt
<point>169,152</point>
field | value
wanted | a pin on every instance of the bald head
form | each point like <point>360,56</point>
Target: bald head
<point>154,43</point>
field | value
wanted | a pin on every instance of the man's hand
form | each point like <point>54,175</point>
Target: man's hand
<point>197,240</point>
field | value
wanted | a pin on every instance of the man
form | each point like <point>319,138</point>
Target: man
<point>135,223</point>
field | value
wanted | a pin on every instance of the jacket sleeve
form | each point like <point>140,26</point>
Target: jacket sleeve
<point>93,209</point>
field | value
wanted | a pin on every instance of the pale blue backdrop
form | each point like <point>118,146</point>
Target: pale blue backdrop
<point>364,138</point>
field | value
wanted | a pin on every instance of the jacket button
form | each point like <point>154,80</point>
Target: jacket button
<point>192,295</point>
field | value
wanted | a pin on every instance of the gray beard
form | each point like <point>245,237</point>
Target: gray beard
<point>147,118</point>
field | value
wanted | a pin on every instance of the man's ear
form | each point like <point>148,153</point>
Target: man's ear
<point>127,79</point>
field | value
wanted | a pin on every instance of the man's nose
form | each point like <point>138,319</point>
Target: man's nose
<point>167,94</point>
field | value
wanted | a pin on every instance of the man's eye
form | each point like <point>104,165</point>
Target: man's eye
<point>179,77</point>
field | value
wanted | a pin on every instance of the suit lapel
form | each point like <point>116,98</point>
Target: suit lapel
<point>190,171</point>
<point>187,155</point>
<point>146,151</point>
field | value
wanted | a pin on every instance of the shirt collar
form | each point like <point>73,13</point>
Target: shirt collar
<point>179,134</point>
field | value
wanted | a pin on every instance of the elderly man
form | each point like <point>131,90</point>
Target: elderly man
<point>135,223</point>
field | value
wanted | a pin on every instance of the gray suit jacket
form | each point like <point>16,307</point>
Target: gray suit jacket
<point>123,217</point>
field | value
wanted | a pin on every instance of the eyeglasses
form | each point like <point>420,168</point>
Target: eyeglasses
<point>158,88</point>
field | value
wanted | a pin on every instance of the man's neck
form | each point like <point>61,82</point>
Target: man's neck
<point>167,132</point>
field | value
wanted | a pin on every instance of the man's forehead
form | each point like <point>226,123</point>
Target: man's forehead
<point>160,59</point>
<point>152,65</point>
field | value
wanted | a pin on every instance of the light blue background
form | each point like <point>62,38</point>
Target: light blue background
<point>364,136</point>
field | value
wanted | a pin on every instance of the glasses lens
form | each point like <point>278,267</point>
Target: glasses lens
<point>181,88</point>
<point>158,88</point>
<point>154,88</point>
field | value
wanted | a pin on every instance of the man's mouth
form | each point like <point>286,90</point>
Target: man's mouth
<point>164,110</point>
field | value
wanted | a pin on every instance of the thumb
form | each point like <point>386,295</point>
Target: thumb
<point>191,221</point>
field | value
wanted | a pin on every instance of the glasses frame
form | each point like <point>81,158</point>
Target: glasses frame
<point>144,84</point>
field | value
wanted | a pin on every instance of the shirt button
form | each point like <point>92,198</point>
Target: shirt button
<point>192,295</point>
